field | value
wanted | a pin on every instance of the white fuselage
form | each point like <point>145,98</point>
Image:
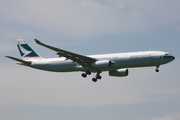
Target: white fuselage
<point>120,60</point>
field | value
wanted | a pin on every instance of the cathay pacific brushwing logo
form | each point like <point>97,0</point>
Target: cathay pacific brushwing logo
<point>24,51</point>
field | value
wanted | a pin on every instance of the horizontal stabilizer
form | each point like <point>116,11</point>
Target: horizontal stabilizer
<point>22,62</point>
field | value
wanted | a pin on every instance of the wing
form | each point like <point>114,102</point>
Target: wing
<point>80,59</point>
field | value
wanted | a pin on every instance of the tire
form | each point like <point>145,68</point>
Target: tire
<point>99,77</point>
<point>94,80</point>
<point>84,75</point>
<point>157,70</point>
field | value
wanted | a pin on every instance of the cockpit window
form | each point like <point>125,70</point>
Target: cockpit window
<point>167,54</point>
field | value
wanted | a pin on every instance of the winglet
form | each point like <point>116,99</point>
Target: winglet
<point>37,41</point>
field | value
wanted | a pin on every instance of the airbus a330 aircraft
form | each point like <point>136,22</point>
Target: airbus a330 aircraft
<point>116,64</point>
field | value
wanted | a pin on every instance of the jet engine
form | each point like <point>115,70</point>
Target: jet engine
<point>102,64</point>
<point>119,73</point>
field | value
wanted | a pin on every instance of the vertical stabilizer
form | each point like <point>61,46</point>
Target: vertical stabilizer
<point>25,50</point>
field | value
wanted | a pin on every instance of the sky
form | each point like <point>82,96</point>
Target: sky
<point>90,27</point>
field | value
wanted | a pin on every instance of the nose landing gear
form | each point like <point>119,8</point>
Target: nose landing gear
<point>157,70</point>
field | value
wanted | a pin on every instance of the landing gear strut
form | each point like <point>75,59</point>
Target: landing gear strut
<point>157,70</point>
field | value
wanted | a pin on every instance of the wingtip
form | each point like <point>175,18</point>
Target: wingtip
<point>37,41</point>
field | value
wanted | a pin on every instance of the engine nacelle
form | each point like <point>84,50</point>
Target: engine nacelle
<point>102,64</point>
<point>119,73</point>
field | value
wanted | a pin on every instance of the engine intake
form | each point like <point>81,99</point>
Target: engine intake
<point>119,73</point>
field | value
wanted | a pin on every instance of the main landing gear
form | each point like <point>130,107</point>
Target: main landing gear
<point>157,70</point>
<point>96,77</point>
<point>84,75</point>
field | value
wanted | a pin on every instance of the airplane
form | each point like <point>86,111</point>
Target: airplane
<point>116,64</point>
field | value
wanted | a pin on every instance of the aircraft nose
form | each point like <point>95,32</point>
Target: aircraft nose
<point>172,57</point>
<point>169,58</point>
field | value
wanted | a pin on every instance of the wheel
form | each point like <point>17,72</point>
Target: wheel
<point>94,80</point>
<point>84,75</point>
<point>98,77</point>
<point>88,72</point>
<point>157,70</point>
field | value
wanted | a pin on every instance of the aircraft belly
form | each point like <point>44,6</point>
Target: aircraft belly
<point>59,67</point>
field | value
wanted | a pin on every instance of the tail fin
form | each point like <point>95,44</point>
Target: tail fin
<point>25,50</point>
